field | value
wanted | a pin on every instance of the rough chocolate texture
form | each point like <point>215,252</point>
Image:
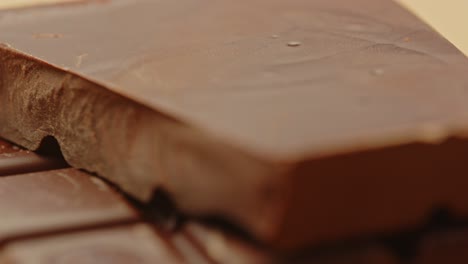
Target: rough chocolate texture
<point>211,101</point>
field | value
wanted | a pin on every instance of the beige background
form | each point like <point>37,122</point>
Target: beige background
<point>449,17</point>
<point>22,3</point>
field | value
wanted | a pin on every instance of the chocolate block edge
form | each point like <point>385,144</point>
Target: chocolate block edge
<point>45,101</point>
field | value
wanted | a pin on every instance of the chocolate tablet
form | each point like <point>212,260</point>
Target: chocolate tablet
<point>57,200</point>
<point>134,244</point>
<point>300,121</point>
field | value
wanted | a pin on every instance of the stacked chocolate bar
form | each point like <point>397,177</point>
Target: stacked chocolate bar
<point>305,126</point>
<point>62,215</point>
<point>54,214</point>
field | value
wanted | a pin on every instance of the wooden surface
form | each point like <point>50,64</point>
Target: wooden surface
<point>238,119</point>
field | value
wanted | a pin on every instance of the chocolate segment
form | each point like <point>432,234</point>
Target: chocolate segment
<point>25,162</point>
<point>134,244</point>
<point>6,148</point>
<point>222,247</point>
<point>14,160</point>
<point>211,102</point>
<point>57,200</point>
<point>445,246</point>
<point>117,240</point>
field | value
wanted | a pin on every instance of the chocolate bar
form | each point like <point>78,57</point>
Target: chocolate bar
<point>132,244</point>
<point>137,243</point>
<point>445,246</point>
<point>33,229</point>
<point>67,215</point>
<point>57,200</point>
<point>301,121</point>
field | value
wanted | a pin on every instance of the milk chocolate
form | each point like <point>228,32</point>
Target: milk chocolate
<point>25,161</point>
<point>223,247</point>
<point>133,244</point>
<point>137,243</point>
<point>33,230</point>
<point>14,160</point>
<point>344,133</point>
<point>67,215</point>
<point>443,246</point>
<point>57,200</point>
<point>6,148</point>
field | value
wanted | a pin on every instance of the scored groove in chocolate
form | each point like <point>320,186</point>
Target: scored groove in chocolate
<point>132,244</point>
<point>57,200</point>
<point>25,162</point>
<point>15,160</point>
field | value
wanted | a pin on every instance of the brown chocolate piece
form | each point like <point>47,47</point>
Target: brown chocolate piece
<point>38,232</point>
<point>134,244</point>
<point>373,254</point>
<point>222,247</point>
<point>14,160</point>
<point>6,148</point>
<point>209,101</point>
<point>57,200</point>
<point>25,161</point>
<point>444,247</point>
